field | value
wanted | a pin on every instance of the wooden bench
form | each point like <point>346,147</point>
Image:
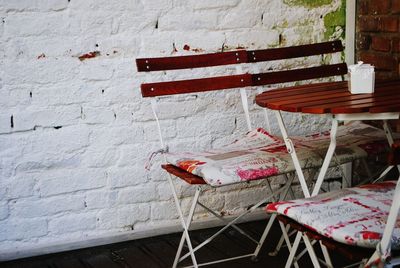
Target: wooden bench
<point>235,58</point>
<point>244,80</point>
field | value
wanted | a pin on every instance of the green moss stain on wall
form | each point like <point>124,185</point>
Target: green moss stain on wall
<point>308,3</point>
<point>335,23</point>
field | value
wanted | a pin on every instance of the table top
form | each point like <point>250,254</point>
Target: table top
<point>332,98</point>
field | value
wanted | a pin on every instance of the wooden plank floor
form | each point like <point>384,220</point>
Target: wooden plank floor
<point>156,252</point>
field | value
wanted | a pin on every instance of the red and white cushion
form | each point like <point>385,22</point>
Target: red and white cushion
<point>259,154</point>
<point>354,216</point>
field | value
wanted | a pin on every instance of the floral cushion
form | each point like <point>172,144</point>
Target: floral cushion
<point>259,154</point>
<point>354,216</point>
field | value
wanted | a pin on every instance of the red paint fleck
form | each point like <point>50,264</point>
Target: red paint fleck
<point>89,55</point>
<point>186,47</point>
<point>41,56</point>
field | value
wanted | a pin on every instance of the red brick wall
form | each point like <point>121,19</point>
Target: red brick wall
<point>378,37</point>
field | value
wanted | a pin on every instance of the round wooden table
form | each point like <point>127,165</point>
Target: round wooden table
<point>332,98</point>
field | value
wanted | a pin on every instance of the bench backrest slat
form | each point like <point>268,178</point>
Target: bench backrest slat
<point>244,80</point>
<point>294,52</point>
<point>195,85</point>
<point>299,74</point>
<point>239,80</point>
<point>192,61</point>
<point>235,57</point>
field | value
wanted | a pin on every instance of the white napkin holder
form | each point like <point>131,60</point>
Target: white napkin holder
<point>362,78</point>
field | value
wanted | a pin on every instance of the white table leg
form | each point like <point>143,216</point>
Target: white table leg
<point>291,150</point>
<point>328,157</point>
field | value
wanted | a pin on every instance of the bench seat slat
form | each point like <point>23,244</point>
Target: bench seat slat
<point>184,175</point>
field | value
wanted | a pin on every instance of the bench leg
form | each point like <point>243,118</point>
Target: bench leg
<point>183,223</point>
<point>293,250</point>
<point>311,251</point>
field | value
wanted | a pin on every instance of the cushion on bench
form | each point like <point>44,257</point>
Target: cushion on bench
<point>259,154</point>
<point>354,216</point>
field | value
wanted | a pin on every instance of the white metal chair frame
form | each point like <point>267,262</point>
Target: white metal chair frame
<point>279,194</point>
<point>282,192</point>
<point>384,245</point>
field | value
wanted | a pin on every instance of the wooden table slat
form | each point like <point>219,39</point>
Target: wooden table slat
<point>299,90</point>
<point>367,106</point>
<point>386,109</point>
<point>347,105</point>
<point>332,97</point>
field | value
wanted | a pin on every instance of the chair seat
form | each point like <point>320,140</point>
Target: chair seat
<point>353,216</point>
<point>259,154</point>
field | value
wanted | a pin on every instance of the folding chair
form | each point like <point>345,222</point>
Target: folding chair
<point>258,154</point>
<point>360,222</point>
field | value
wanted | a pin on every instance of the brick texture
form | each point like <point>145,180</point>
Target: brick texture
<point>378,7</point>
<point>378,37</point>
<point>396,6</point>
<point>381,43</point>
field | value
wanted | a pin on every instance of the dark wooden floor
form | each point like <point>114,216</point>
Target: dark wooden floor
<point>160,251</point>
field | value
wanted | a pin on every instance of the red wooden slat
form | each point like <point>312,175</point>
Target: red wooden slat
<point>299,74</point>
<point>294,51</point>
<point>184,175</point>
<point>386,108</point>
<point>356,101</point>
<point>385,99</point>
<point>294,92</point>
<point>347,106</point>
<point>368,104</point>
<point>191,61</point>
<point>305,98</point>
<point>195,85</point>
<point>328,101</point>
<point>234,57</point>
<point>300,90</point>
<point>296,107</point>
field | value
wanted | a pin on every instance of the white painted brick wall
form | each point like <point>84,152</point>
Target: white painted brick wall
<point>75,135</point>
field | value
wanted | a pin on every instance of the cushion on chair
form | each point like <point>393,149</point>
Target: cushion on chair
<point>354,216</point>
<point>259,154</point>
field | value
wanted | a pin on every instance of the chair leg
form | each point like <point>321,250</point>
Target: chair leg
<point>293,250</point>
<point>234,226</point>
<point>311,251</point>
<point>208,240</point>
<point>327,257</point>
<point>188,222</point>
<point>287,240</point>
<point>283,196</point>
<point>264,236</point>
<point>182,220</point>
<point>280,242</point>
